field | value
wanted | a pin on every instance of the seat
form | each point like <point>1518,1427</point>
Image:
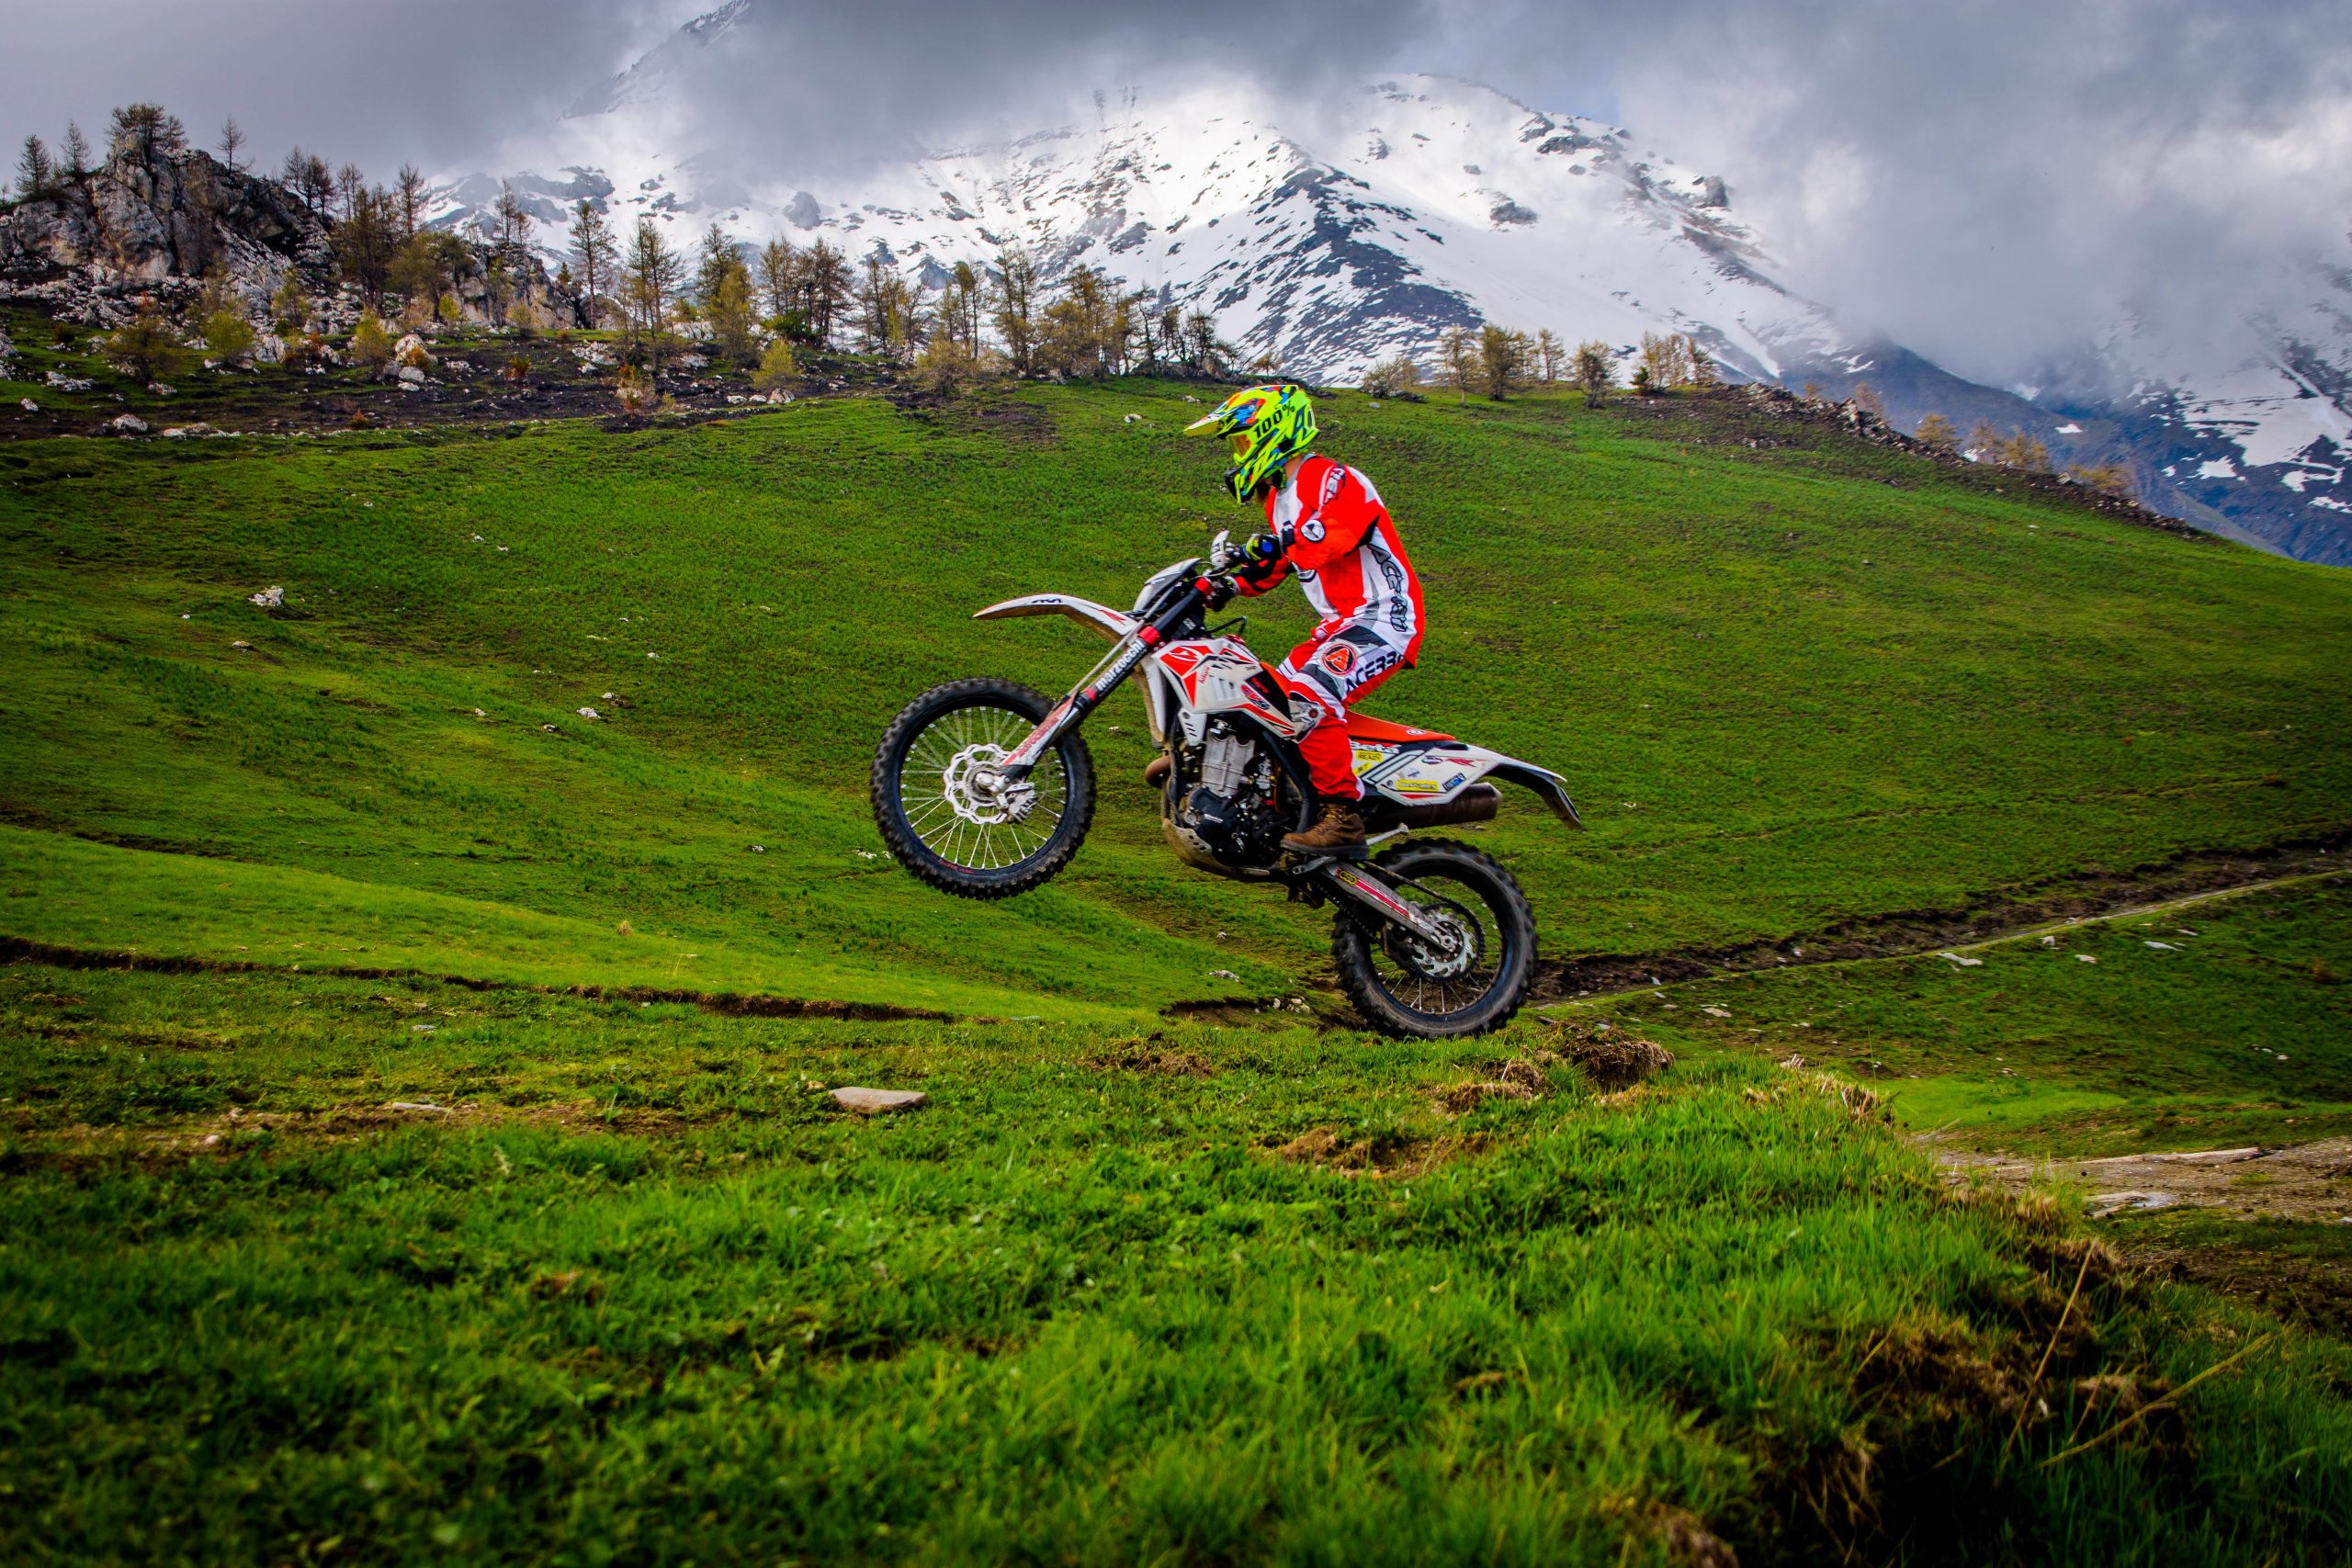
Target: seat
<point>1363,726</point>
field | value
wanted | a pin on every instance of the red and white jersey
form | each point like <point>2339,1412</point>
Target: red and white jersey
<point>1338,535</point>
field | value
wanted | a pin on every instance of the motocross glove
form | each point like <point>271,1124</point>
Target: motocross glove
<point>1259,549</point>
<point>1220,595</point>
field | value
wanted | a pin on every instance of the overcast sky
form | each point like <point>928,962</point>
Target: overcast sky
<point>1982,178</point>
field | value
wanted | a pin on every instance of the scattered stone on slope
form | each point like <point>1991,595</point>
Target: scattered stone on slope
<point>878,1102</point>
<point>268,598</point>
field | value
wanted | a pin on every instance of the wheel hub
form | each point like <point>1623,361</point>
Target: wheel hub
<point>1427,962</point>
<point>976,786</point>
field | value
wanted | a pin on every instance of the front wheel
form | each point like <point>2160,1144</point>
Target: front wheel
<point>946,814</point>
<point>1402,987</point>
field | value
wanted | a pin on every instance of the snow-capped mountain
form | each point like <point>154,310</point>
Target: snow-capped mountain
<point>1359,230</point>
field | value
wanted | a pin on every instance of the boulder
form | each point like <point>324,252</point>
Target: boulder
<point>411,376</point>
<point>128,424</point>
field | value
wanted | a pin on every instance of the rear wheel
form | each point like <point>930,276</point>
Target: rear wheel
<point>950,817</point>
<point>1404,987</point>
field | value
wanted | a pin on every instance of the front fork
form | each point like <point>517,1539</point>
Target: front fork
<point>1107,678</point>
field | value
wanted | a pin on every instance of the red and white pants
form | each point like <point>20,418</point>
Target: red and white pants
<point>1328,674</point>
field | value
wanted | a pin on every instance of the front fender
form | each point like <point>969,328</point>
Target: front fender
<point>1113,623</point>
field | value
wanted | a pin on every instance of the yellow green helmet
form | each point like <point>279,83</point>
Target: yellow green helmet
<point>1268,424</point>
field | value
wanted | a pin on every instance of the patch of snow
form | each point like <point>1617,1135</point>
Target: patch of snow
<point>2217,468</point>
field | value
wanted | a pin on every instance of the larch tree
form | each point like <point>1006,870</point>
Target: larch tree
<point>593,247</point>
<point>232,145</point>
<point>1596,368</point>
<point>34,172</point>
<point>826,283</point>
<point>143,131</point>
<point>779,277</point>
<point>1503,354</point>
<point>73,154</point>
<point>1016,305</point>
<point>1551,355</point>
<point>1936,434</point>
<point>1697,363</point>
<point>649,279</point>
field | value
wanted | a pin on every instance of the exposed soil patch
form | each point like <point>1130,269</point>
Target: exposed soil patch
<point>2078,895</point>
<point>84,1146</point>
<point>1381,1156</point>
<point>1239,1010</point>
<point>2305,1182</point>
<point>1149,1057</point>
<point>21,950</point>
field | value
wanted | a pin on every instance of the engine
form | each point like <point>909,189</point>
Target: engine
<point>1224,811</point>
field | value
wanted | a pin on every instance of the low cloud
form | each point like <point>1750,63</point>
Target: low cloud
<point>1988,181</point>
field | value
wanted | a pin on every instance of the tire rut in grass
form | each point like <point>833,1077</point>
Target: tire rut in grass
<point>2078,895</point>
<point>728,1004</point>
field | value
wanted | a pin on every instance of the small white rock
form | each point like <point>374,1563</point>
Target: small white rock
<point>2084,958</point>
<point>588,713</point>
<point>1223,975</point>
<point>268,598</point>
<point>1966,963</point>
<point>878,1102</point>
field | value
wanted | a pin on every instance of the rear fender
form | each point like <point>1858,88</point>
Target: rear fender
<point>1113,623</point>
<point>1432,774</point>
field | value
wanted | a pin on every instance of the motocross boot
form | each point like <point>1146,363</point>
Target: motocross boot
<point>1338,830</point>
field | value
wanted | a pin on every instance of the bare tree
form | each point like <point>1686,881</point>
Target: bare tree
<point>825,284</point>
<point>294,175</point>
<point>410,192</point>
<point>1391,377</point>
<point>232,141</point>
<point>511,220</point>
<point>75,155</point>
<point>350,184</point>
<point>1457,355</point>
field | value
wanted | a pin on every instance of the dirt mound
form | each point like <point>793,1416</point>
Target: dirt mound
<point>1609,1058</point>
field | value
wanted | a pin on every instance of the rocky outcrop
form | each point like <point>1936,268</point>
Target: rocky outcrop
<point>152,224</point>
<point>144,219</point>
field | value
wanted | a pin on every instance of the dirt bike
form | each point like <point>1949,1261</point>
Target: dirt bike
<point>984,788</point>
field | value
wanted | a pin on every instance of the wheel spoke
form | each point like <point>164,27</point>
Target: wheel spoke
<point>959,820</point>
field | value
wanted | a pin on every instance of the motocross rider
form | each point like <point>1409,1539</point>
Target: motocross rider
<point>1325,523</point>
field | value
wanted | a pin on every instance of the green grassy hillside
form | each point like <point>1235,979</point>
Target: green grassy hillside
<point>309,1255</point>
<point>1791,686</point>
